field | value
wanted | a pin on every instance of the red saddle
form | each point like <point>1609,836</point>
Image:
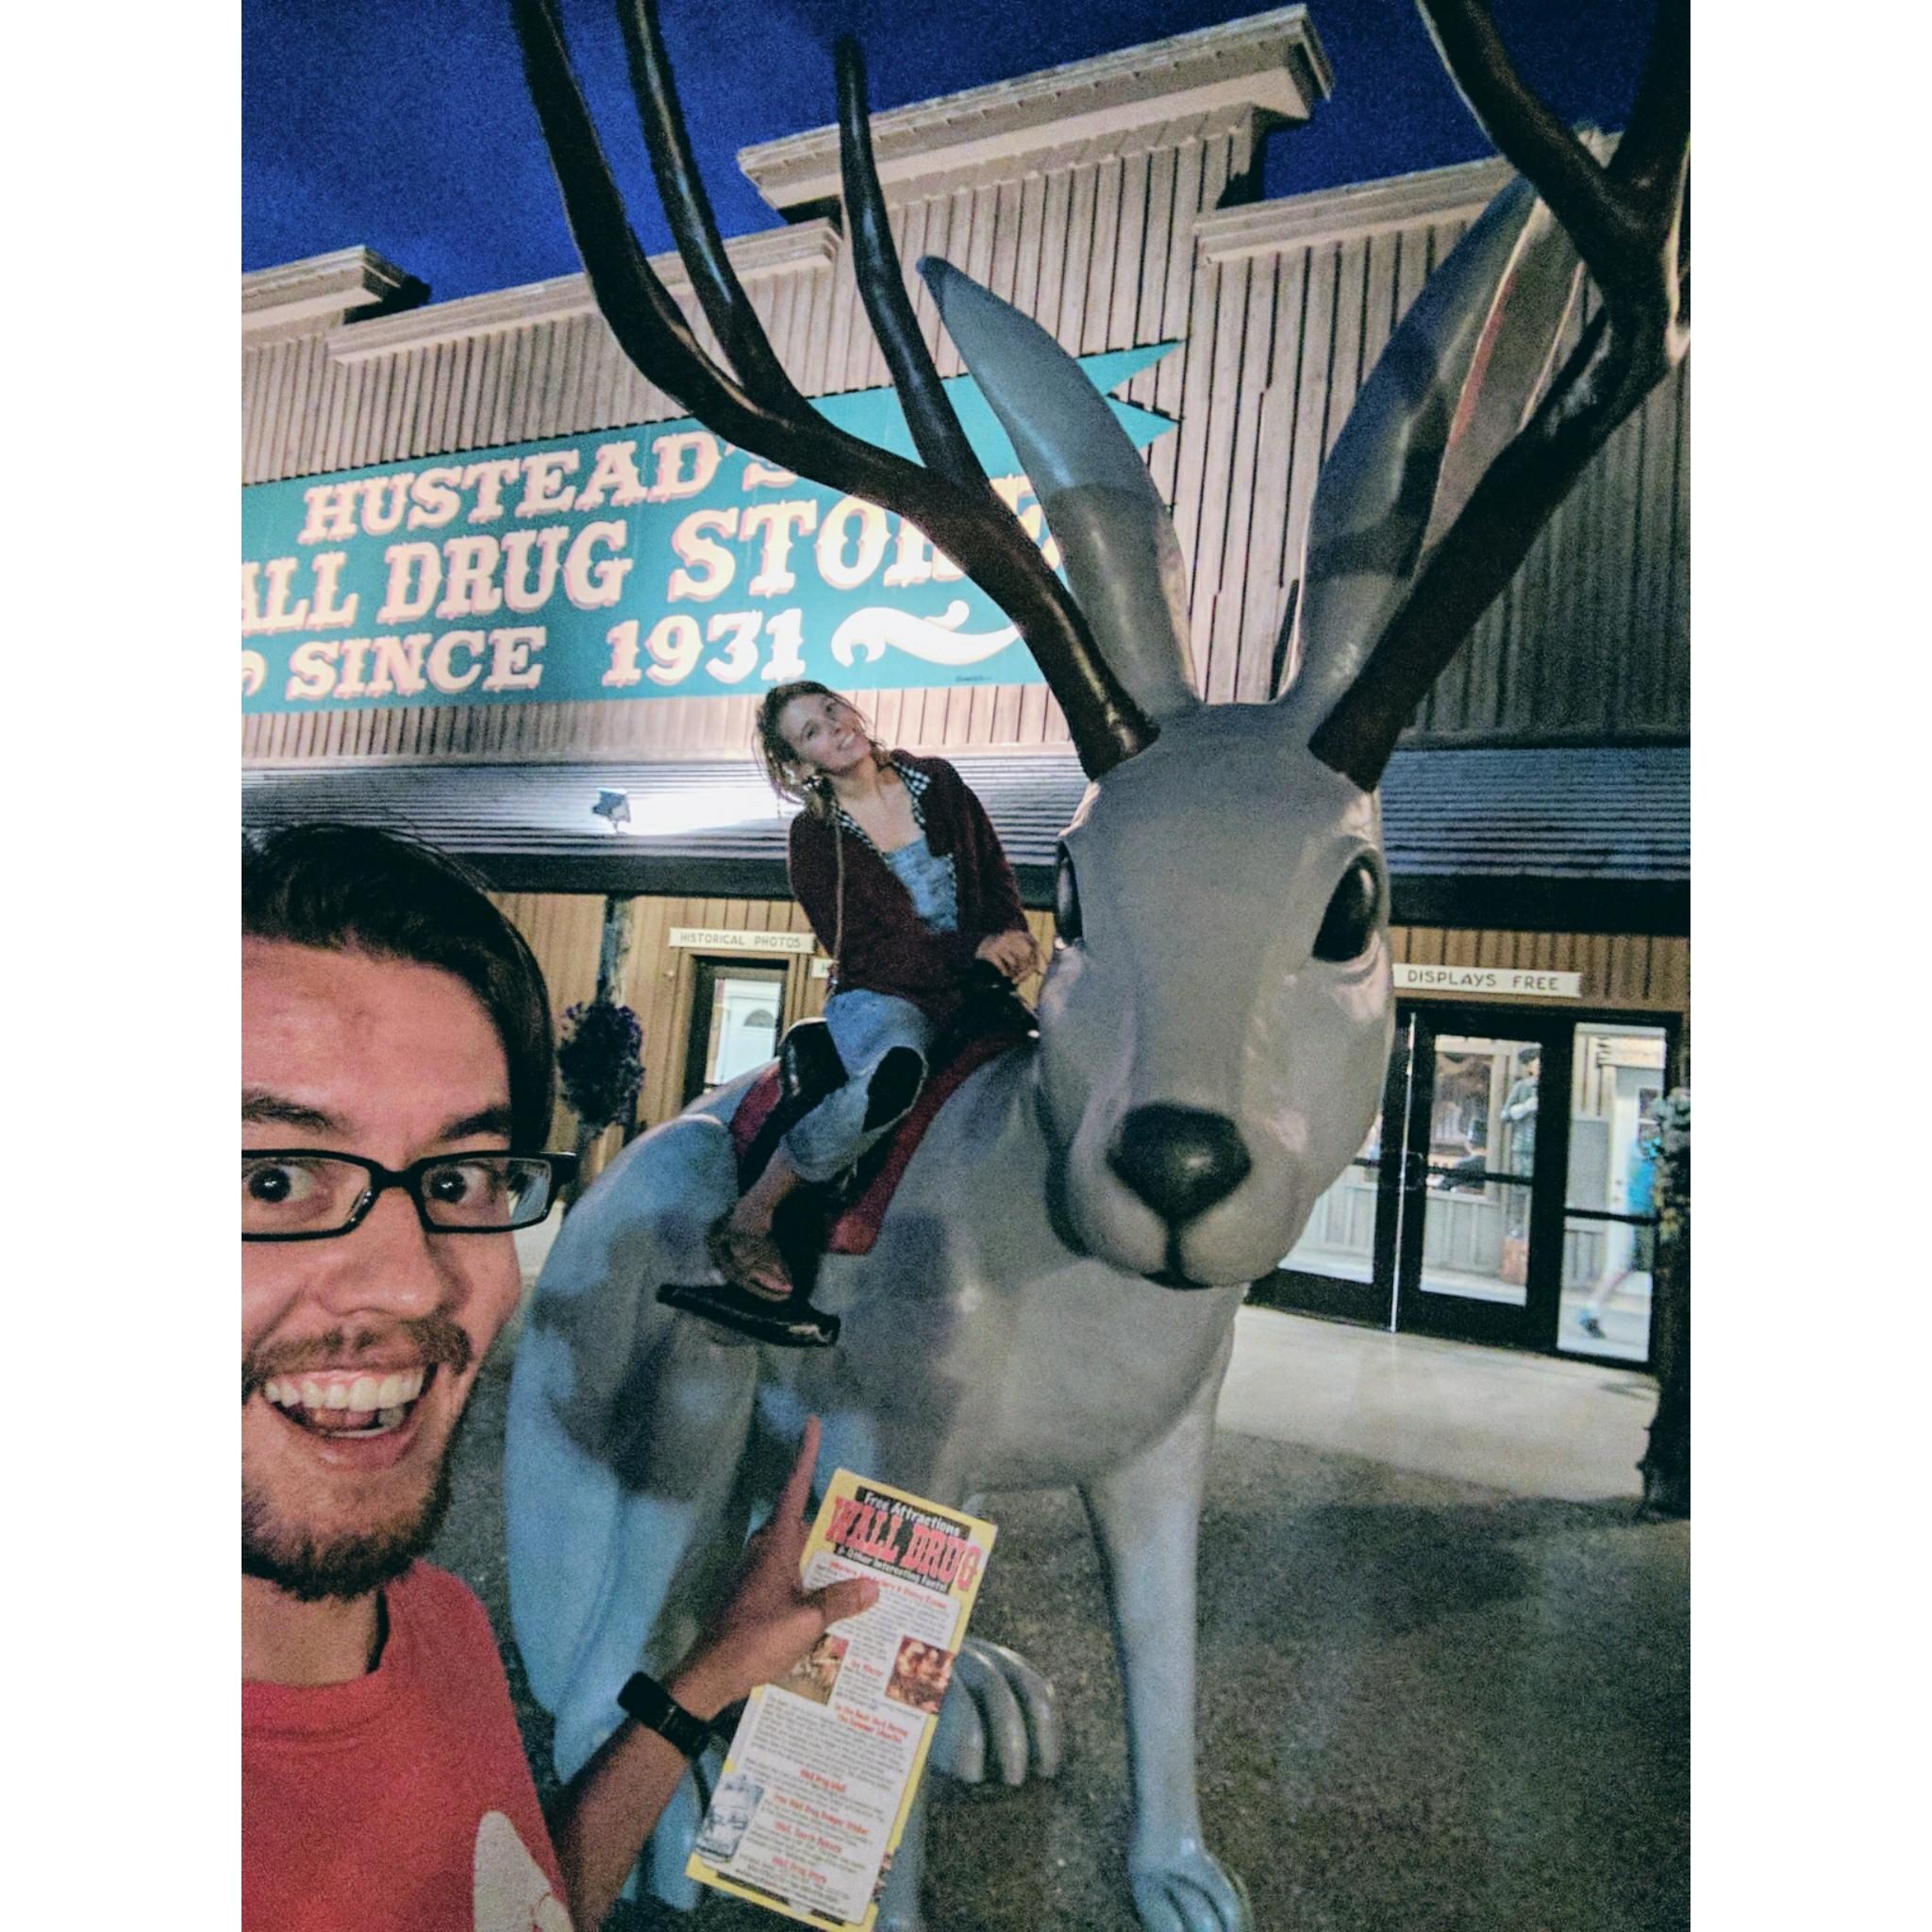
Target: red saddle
<point>856,1225</point>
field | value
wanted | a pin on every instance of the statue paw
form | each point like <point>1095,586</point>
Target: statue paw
<point>1189,1892</point>
<point>1000,1719</point>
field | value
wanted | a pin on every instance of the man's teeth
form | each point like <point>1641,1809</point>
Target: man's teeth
<point>382,1393</point>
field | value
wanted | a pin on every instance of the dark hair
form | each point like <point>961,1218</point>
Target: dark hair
<point>780,762</point>
<point>351,887</point>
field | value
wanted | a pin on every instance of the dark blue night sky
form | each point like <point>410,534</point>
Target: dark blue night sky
<point>402,125</point>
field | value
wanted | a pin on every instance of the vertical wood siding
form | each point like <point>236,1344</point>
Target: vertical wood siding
<point>1630,970</point>
<point>1590,639</point>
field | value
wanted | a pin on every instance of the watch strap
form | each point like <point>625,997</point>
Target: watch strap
<point>647,1701</point>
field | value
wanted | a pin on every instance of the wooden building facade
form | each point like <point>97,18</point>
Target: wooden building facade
<point>1114,200</point>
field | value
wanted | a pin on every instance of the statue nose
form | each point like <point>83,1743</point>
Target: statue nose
<point>1179,1159</point>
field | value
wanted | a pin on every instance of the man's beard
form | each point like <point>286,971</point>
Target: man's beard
<point>344,1566</point>
<point>352,1564</point>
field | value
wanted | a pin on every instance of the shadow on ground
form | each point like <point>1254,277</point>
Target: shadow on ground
<point>1424,1705</point>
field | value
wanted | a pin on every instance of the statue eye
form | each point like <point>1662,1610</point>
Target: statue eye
<point>1066,901</point>
<point>1349,924</point>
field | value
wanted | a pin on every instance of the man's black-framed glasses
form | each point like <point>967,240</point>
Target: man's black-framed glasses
<point>310,1194</point>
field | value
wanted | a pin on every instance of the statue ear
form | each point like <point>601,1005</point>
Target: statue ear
<point>1450,391</point>
<point>1124,561</point>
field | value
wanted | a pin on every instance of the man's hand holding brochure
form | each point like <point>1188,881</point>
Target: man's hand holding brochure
<point>824,1763</point>
<point>770,1616</point>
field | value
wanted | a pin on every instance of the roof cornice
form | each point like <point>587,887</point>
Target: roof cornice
<point>1358,209</point>
<point>330,286</point>
<point>804,249</point>
<point>1271,66</point>
<point>1365,208</point>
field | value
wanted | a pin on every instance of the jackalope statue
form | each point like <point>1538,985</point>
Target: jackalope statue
<point>1051,1297</point>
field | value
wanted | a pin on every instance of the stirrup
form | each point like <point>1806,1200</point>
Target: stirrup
<point>791,1323</point>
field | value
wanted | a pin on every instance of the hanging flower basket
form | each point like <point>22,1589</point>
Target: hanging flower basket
<point>601,1061</point>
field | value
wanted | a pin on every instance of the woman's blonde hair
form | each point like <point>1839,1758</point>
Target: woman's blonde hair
<point>780,762</point>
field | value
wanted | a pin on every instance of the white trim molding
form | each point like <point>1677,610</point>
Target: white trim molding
<point>1270,67</point>
<point>1331,214</point>
<point>331,286</point>
<point>806,249</point>
<point>1364,207</point>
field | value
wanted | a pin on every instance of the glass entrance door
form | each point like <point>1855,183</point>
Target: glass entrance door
<point>1504,1192</point>
<point>1474,1251</point>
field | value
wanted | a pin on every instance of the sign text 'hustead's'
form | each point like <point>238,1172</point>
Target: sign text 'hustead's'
<point>651,562</point>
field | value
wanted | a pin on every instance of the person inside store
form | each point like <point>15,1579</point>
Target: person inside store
<point>396,1096</point>
<point>908,888</point>
<point>1519,1111</point>
<point>1640,1198</point>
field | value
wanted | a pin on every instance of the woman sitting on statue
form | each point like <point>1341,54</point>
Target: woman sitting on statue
<point>902,877</point>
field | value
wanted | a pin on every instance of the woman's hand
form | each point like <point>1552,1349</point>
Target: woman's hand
<point>770,1622</point>
<point>1013,953</point>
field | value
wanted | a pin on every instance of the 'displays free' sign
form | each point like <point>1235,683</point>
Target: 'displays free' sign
<point>643,563</point>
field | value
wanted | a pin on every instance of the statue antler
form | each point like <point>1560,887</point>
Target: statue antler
<point>1628,223</point>
<point>758,407</point>
<point>936,431</point>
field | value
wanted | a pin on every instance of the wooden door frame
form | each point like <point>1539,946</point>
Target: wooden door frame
<point>704,978</point>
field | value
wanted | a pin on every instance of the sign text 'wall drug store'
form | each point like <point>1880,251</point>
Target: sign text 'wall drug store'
<point>652,562</point>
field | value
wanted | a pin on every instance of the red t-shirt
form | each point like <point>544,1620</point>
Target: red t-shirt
<point>400,1801</point>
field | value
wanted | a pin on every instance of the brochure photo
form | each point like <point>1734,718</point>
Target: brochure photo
<point>824,1763</point>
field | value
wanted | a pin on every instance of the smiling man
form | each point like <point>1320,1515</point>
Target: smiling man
<point>396,1084</point>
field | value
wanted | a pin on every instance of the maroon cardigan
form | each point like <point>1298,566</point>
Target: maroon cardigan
<point>888,947</point>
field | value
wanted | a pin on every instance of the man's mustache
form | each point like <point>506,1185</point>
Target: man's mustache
<point>434,1340</point>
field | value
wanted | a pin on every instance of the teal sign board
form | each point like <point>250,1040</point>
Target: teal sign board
<point>655,562</point>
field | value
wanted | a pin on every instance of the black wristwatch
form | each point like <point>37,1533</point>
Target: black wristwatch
<point>654,1706</point>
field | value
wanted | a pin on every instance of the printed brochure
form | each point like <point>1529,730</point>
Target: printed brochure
<point>824,1763</point>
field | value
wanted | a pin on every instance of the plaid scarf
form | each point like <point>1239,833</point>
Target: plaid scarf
<point>915,782</point>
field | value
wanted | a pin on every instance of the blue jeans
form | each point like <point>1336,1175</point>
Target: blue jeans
<point>865,1028</point>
